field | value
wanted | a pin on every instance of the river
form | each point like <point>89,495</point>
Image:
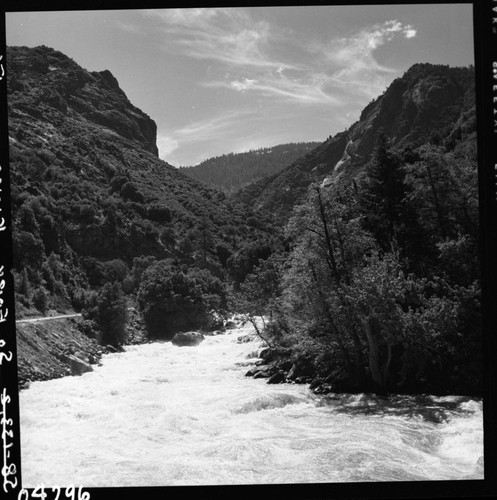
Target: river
<point>159,415</point>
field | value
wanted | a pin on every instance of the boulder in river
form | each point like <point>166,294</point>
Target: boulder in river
<point>258,368</point>
<point>78,366</point>
<point>265,353</point>
<point>187,339</point>
<point>277,378</point>
<point>243,339</point>
<point>285,365</point>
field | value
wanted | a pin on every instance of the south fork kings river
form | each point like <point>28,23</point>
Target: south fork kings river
<point>159,415</point>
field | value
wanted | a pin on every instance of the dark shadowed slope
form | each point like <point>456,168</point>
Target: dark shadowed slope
<point>89,193</point>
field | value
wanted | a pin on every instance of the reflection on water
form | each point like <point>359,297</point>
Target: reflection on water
<point>160,415</point>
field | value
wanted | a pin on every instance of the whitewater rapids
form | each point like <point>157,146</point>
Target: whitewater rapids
<point>159,415</point>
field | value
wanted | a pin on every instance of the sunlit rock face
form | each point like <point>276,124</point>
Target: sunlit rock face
<point>429,102</point>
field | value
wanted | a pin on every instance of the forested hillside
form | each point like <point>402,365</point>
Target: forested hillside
<point>380,288</point>
<point>232,171</point>
<point>92,203</point>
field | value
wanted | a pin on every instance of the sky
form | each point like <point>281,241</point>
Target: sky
<point>221,80</point>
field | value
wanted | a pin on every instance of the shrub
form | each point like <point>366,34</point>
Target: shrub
<point>90,328</point>
<point>130,192</point>
<point>173,300</point>
<point>159,213</point>
<point>99,273</point>
<point>27,249</point>
<point>168,236</point>
<point>243,262</point>
<point>40,299</point>
<point>117,183</point>
<point>223,254</point>
<point>108,309</point>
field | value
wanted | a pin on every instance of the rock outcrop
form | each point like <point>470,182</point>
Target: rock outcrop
<point>66,87</point>
<point>429,102</point>
<point>78,366</point>
<point>53,349</point>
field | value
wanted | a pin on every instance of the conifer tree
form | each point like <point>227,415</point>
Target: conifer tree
<point>24,287</point>
<point>382,194</point>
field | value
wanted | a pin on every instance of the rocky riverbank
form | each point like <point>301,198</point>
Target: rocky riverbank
<point>58,347</point>
<point>53,349</point>
<point>278,368</point>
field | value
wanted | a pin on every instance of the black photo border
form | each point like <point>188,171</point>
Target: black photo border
<point>485,50</point>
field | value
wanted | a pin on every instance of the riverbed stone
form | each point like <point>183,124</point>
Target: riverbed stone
<point>277,378</point>
<point>187,339</point>
<point>243,339</point>
<point>285,365</point>
<point>264,367</point>
<point>82,356</point>
<point>78,366</point>
<point>263,352</point>
<point>258,369</point>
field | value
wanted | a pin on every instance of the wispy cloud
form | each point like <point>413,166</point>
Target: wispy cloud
<point>166,145</point>
<point>330,72</point>
<point>304,91</point>
<point>410,32</point>
<point>200,132</point>
<point>248,55</point>
<point>205,130</point>
<point>226,35</point>
<point>243,85</point>
<point>351,60</point>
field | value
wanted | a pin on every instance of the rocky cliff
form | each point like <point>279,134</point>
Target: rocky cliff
<point>51,88</point>
<point>428,103</point>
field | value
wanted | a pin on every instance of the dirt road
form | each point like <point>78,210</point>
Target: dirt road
<point>47,318</point>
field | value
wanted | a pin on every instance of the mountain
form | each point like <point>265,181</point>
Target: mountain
<point>232,171</point>
<point>90,195</point>
<point>428,103</point>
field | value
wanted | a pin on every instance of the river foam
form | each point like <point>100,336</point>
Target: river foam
<point>160,415</point>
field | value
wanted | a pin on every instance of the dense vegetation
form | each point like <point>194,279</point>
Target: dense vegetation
<point>175,299</point>
<point>94,206</point>
<point>380,289</point>
<point>232,171</point>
